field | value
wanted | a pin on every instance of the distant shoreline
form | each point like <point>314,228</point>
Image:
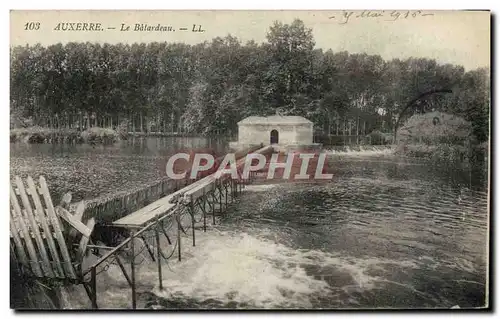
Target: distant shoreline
<point>95,135</point>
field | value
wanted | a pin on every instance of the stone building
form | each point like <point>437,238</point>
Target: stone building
<point>274,130</point>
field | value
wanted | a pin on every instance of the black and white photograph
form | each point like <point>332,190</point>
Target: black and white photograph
<point>250,160</point>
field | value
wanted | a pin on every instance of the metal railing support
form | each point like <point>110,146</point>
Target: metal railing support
<point>158,254</point>
<point>93,288</point>
<point>179,236</point>
<point>132,268</point>
<point>191,208</point>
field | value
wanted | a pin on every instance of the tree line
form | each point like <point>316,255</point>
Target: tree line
<point>208,87</point>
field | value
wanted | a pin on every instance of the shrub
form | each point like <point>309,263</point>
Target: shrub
<point>99,135</point>
<point>36,134</point>
<point>435,128</point>
<point>437,136</point>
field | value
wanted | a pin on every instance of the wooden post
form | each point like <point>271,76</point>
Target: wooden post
<point>40,216</point>
<point>220,198</point>
<point>93,287</point>
<point>231,186</point>
<point>191,208</point>
<point>44,190</point>
<point>214,201</point>
<point>124,271</point>
<point>179,235</point>
<point>151,253</point>
<point>17,214</point>
<point>225,196</point>
<point>158,253</point>
<point>132,269</point>
<point>204,211</point>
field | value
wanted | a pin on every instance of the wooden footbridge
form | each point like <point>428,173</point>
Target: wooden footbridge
<point>51,242</point>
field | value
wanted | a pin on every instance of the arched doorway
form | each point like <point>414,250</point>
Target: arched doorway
<point>274,137</point>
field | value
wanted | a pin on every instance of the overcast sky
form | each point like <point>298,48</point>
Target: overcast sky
<point>458,37</point>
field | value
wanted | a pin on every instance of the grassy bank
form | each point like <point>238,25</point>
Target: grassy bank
<point>94,135</point>
<point>35,134</point>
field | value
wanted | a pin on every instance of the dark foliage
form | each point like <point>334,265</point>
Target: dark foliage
<point>207,88</point>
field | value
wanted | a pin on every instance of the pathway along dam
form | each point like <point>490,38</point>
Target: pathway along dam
<point>385,232</point>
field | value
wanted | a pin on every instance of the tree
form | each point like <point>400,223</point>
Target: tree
<point>207,88</point>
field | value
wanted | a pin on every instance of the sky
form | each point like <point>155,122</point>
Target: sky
<point>457,37</point>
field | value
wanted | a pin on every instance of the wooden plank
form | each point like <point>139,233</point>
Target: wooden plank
<point>47,268</point>
<point>78,225</point>
<point>66,200</point>
<point>147,213</point>
<point>164,205</point>
<point>55,223</point>
<point>80,209</point>
<point>200,190</point>
<point>82,248</point>
<point>39,210</point>
<point>21,235</point>
<point>19,244</point>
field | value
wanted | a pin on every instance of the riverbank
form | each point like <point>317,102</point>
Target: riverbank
<point>450,153</point>
<point>42,135</point>
<point>94,135</point>
<point>360,149</point>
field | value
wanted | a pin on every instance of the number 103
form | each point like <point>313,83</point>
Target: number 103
<point>32,26</point>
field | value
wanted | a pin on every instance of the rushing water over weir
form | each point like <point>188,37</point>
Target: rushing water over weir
<point>382,234</point>
<point>386,232</point>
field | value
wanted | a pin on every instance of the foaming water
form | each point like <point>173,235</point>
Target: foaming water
<point>259,188</point>
<point>362,151</point>
<point>381,234</point>
<point>240,270</point>
<point>243,269</point>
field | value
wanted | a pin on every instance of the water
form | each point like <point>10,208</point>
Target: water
<point>88,171</point>
<point>386,232</point>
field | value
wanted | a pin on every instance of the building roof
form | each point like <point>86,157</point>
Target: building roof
<point>274,120</point>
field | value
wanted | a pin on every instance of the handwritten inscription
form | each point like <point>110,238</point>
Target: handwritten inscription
<point>391,15</point>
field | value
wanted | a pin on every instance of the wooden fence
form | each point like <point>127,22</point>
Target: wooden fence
<point>46,241</point>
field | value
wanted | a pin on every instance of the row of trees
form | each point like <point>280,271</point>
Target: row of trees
<point>207,88</point>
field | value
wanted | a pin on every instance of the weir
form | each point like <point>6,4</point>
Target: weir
<point>50,243</point>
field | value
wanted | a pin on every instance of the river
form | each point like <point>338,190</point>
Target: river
<point>386,232</point>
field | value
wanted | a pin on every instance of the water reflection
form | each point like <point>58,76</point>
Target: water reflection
<point>89,171</point>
